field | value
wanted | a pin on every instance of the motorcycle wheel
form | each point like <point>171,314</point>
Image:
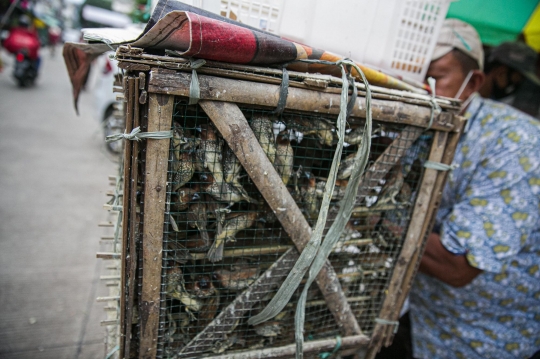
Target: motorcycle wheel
<point>113,125</point>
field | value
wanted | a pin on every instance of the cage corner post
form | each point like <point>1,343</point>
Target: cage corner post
<point>160,112</point>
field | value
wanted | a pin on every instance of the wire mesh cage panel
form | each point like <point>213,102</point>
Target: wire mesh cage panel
<point>206,247</point>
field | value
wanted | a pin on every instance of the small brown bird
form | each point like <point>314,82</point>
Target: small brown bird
<point>237,279</point>
<point>262,127</point>
<point>197,217</point>
<point>184,196</point>
<point>209,152</point>
<point>234,223</point>
<point>208,311</point>
<point>183,163</point>
<point>177,252</point>
<point>231,167</point>
<point>284,157</point>
<point>311,201</point>
<point>223,191</point>
<point>346,167</point>
<point>321,128</point>
<point>391,188</point>
<point>339,189</point>
<point>175,288</point>
<point>201,287</point>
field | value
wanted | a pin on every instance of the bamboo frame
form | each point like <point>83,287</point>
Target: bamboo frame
<point>159,119</point>
<point>263,94</point>
<point>161,87</point>
<point>414,237</point>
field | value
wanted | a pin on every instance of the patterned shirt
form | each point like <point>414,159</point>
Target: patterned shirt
<point>489,213</point>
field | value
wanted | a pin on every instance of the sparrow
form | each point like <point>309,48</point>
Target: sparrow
<point>223,191</point>
<point>182,165</point>
<point>231,167</point>
<point>284,157</point>
<point>209,152</point>
<point>201,287</point>
<point>346,167</point>
<point>197,217</point>
<point>339,189</point>
<point>311,201</point>
<point>354,137</point>
<point>391,188</point>
<point>185,196</point>
<point>263,129</point>
<point>323,129</point>
<point>177,252</point>
<point>176,289</point>
<point>233,224</point>
<point>238,279</point>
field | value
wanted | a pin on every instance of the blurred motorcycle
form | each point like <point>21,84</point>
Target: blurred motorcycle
<point>25,70</point>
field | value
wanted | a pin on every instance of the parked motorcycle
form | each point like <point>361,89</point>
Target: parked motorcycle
<point>25,70</point>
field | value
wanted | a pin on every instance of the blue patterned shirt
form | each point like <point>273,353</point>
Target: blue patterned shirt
<point>489,213</point>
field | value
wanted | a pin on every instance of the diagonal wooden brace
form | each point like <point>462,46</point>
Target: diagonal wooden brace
<point>234,128</point>
<point>226,321</point>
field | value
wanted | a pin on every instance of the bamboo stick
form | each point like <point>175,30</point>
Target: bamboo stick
<point>262,94</point>
<point>410,246</point>
<point>159,119</point>
<point>127,171</point>
<point>288,351</point>
<point>131,225</point>
<point>235,129</point>
<point>428,223</point>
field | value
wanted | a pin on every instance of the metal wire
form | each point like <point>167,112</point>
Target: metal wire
<point>220,235</point>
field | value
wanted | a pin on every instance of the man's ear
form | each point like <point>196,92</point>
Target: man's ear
<point>475,83</point>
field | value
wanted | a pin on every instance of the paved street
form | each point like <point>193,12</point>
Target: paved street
<point>53,181</point>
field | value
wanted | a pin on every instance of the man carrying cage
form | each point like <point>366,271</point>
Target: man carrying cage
<point>478,291</point>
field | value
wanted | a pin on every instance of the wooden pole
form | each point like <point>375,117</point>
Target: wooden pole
<point>288,351</point>
<point>263,94</point>
<point>159,119</point>
<point>428,224</point>
<point>234,128</point>
<point>413,240</point>
<point>128,116</point>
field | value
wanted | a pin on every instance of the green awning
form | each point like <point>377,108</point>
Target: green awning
<point>496,21</point>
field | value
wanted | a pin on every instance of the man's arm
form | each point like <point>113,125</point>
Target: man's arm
<point>450,268</point>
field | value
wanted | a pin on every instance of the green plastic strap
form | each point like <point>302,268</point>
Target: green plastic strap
<point>194,87</point>
<point>435,108</point>
<point>326,355</point>
<point>111,353</point>
<point>137,135</point>
<point>346,204</point>
<point>283,92</point>
<point>395,323</point>
<point>439,166</point>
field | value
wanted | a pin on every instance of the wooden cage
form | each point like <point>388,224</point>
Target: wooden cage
<point>182,299</point>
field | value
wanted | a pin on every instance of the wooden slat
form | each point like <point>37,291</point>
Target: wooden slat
<point>128,115</point>
<point>159,119</point>
<point>411,244</point>
<point>105,224</point>
<point>235,129</point>
<point>262,94</point>
<point>107,256</point>
<point>428,224</point>
<point>288,351</point>
<point>106,299</point>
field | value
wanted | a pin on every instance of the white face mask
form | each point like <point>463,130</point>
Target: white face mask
<point>464,84</point>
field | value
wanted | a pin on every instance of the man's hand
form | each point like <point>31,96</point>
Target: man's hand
<point>448,267</point>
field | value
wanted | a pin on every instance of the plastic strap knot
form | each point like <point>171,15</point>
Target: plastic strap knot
<point>194,87</point>
<point>435,108</point>
<point>395,323</point>
<point>137,135</point>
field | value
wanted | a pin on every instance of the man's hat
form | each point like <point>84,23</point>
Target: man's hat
<point>518,56</point>
<point>456,34</point>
